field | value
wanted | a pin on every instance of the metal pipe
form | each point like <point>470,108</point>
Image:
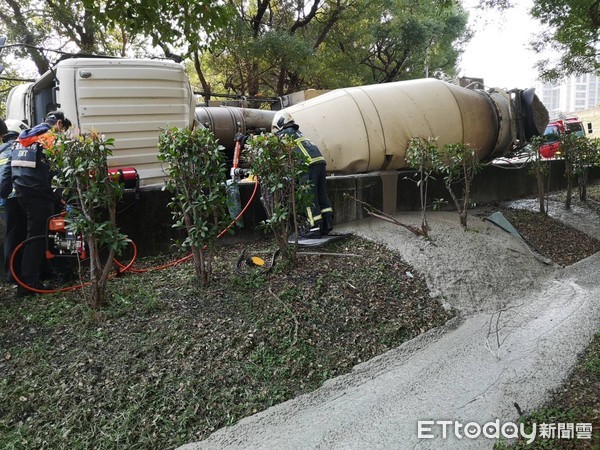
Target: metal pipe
<point>226,121</point>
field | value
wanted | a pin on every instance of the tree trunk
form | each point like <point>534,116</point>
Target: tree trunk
<point>469,175</point>
<point>98,288</point>
<point>461,210</point>
<point>99,295</point>
<point>423,193</point>
<point>205,84</point>
<point>254,79</point>
<point>463,218</point>
<point>22,24</point>
<point>198,267</point>
<point>540,182</point>
<point>583,181</point>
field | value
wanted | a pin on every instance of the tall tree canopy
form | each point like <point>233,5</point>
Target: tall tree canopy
<point>572,36</point>
<point>277,47</point>
<point>108,27</point>
<point>49,29</point>
<point>254,47</point>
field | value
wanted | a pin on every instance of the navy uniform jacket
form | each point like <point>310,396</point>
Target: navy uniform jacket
<point>31,175</point>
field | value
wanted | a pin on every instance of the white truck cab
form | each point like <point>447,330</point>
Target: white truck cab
<point>130,100</point>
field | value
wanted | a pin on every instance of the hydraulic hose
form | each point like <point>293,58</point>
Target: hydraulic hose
<point>31,288</point>
<point>64,289</point>
<point>187,257</point>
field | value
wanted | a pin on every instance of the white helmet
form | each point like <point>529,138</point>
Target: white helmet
<point>283,121</point>
<point>16,126</point>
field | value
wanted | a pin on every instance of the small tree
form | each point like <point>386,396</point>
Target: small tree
<point>197,176</point>
<point>587,156</point>
<point>82,169</point>
<point>459,164</point>
<point>281,173</point>
<point>422,154</point>
<point>569,149</point>
<point>540,169</point>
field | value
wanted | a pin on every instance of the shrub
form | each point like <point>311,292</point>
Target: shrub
<point>197,176</point>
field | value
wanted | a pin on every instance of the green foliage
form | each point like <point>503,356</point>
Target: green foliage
<point>82,170</point>
<point>538,164</point>
<point>571,37</point>
<point>579,154</point>
<point>132,378</point>
<point>457,162</point>
<point>197,175</point>
<point>414,40</point>
<point>423,155</point>
<point>438,204</point>
<point>7,84</point>
<point>588,155</point>
<point>254,48</point>
<point>65,26</point>
<point>113,27</point>
<point>276,48</point>
<point>172,24</point>
<point>593,365</point>
<point>281,171</point>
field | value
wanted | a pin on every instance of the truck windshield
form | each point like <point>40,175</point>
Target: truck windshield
<point>551,134</point>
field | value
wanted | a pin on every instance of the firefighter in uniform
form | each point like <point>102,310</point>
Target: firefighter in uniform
<point>320,214</point>
<point>31,178</point>
<point>3,161</point>
<point>4,153</point>
<point>16,227</point>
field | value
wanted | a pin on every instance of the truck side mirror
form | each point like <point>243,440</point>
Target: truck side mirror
<point>590,130</point>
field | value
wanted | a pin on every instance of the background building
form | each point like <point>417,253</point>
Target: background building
<point>577,93</point>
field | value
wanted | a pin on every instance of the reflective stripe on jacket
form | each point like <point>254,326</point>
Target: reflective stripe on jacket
<point>310,150</point>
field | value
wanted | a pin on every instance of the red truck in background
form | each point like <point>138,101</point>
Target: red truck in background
<point>558,128</point>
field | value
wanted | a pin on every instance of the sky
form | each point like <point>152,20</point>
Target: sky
<point>498,51</point>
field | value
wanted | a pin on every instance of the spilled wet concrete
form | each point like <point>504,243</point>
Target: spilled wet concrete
<point>520,326</point>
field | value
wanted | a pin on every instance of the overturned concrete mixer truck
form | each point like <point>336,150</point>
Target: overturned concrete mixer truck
<point>358,129</point>
<point>362,131</point>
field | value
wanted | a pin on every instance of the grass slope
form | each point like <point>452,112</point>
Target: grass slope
<point>167,362</point>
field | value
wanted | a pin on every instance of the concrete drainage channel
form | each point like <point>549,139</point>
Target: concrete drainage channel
<point>519,327</point>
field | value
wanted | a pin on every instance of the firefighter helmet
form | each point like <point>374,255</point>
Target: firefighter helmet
<point>16,126</point>
<point>284,121</point>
